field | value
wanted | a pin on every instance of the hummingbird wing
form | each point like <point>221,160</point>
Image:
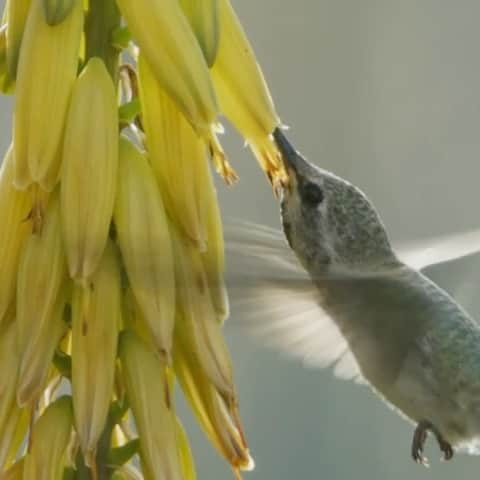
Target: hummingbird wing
<point>420,254</point>
<point>274,300</point>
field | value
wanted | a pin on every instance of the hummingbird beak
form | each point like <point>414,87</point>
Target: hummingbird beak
<point>293,161</point>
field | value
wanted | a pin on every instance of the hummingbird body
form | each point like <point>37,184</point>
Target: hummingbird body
<point>414,345</point>
<point>357,306</point>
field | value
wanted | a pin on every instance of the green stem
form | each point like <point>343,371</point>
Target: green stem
<point>103,18</point>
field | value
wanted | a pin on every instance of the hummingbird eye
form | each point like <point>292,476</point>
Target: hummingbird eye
<point>311,194</point>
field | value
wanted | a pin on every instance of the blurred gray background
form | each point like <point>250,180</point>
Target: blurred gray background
<point>386,94</point>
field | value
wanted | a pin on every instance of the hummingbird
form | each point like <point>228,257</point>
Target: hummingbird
<point>345,298</point>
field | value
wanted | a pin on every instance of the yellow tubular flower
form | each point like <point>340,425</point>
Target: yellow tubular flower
<point>203,17</point>
<point>243,93</point>
<point>89,172</point>
<point>145,377</point>
<point>45,460</point>
<point>96,312</point>
<point>170,47</point>
<point>13,435</point>
<point>17,12</point>
<point>219,420</point>
<point>9,359</point>
<point>185,454</point>
<point>14,210</point>
<point>174,149</point>
<point>36,362</point>
<point>46,72</point>
<point>6,82</point>
<point>144,240</point>
<point>15,472</point>
<point>41,274</point>
<point>214,256</point>
<point>198,317</point>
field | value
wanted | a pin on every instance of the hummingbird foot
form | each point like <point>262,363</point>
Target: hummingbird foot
<point>418,442</point>
<point>419,439</point>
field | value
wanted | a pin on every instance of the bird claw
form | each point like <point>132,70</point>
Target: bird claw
<point>420,459</point>
<point>419,439</point>
<point>446,448</point>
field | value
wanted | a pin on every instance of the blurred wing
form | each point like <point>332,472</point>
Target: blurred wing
<point>424,253</point>
<point>274,300</point>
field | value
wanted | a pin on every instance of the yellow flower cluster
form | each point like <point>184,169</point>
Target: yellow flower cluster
<point>112,257</point>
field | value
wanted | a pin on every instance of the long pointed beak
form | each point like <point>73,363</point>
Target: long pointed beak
<point>291,158</point>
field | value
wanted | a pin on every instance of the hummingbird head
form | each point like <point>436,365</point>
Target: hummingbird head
<point>328,222</point>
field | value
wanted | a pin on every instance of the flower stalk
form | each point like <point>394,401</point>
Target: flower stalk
<point>112,290</point>
<point>102,19</point>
